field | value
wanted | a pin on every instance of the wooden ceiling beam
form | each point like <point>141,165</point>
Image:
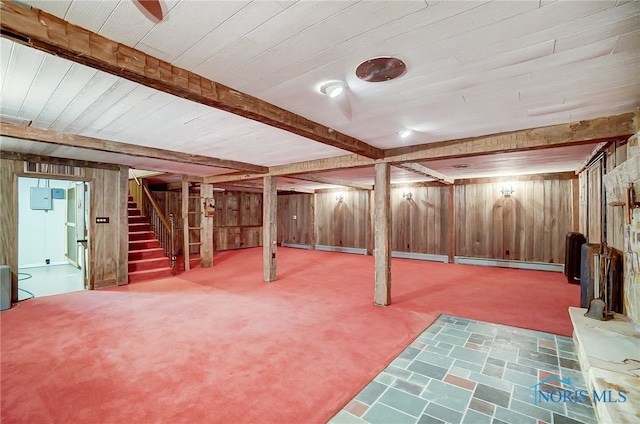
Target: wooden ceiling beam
<point>280,187</point>
<point>599,148</point>
<point>25,157</point>
<point>612,128</point>
<point>35,28</point>
<point>333,181</point>
<point>427,172</point>
<point>72,140</point>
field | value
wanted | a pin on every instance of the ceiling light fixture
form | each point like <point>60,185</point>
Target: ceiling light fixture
<point>333,88</point>
<point>404,133</point>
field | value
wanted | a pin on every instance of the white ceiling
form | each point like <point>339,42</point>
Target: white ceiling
<point>474,68</point>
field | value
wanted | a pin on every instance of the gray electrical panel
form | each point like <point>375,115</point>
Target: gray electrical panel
<point>41,198</point>
<point>5,288</point>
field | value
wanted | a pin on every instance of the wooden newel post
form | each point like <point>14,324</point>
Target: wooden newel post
<point>269,228</point>
<point>382,237</point>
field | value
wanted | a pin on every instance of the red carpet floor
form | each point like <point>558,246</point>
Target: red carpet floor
<point>218,345</point>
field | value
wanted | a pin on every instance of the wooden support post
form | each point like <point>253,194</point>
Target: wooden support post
<point>269,228</point>
<point>185,223</point>
<point>382,294</point>
<point>451,224</point>
<point>206,225</point>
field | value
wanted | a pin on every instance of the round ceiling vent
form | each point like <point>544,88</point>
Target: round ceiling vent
<point>381,69</point>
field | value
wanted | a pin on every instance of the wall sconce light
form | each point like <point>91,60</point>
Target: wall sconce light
<point>406,194</point>
<point>339,197</point>
<point>507,190</point>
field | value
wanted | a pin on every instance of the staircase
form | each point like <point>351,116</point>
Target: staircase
<point>146,258</point>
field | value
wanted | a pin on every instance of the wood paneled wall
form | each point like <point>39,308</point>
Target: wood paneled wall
<point>135,191</point>
<point>419,225</point>
<point>296,219</point>
<point>530,225</point>
<point>342,223</point>
<point>108,243</point>
<point>9,214</point>
<point>237,222</point>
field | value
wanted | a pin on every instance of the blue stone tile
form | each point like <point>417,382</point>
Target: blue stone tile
<point>509,416</point>
<point>435,359</point>
<point>455,332</point>
<point>428,419</point>
<point>447,395</point>
<point>343,417</point>
<point>439,350</point>
<point>505,355</point>
<point>385,378</point>
<point>531,410</point>
<point>539,365</point>
<point>419,379</point>
<point>409,387</point>
<point>403,402</point>
<point>577,378</point>
<point>400,363</point>
<point>371,392</point>
<point>474,417</point>
<point>525,380</point>
<point>527,395</point>
<point>457,341</point>
<point>492,395</point>
<point>582,419</point>
<point>467,365</point>
<point>429,370</point>
<point>398,372</point>
<point>409,353</point>
<point>445,414</point>
<point>482,328</point>
<point>460,372</point>
<point>469,355</point>
<point>382,414</point>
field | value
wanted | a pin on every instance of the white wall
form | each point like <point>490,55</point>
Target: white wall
<point>41,234</point>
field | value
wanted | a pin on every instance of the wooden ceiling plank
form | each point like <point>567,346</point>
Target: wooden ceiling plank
<point>428,172</point>
<point>72,140</point>
<point>46,32</point>
<point>333,181</point>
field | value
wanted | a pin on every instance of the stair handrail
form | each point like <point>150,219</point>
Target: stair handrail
<point>166,237</point>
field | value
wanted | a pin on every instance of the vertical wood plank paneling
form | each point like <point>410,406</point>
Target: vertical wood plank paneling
<point>300,229</point>
<point>123,226</point>
<point>451,223</point>
<point>583,201</point>
<point>135,191</point>
<point>420,224</point>
<point>530,225</point>
<point>342,223</point>
<point>594,200</point>
<point>9,214</point>
<point>108,194</point>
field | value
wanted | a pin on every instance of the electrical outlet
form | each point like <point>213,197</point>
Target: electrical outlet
<point>47,261</point>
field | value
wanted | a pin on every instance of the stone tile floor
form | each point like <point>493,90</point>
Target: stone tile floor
<point>464,371</point>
